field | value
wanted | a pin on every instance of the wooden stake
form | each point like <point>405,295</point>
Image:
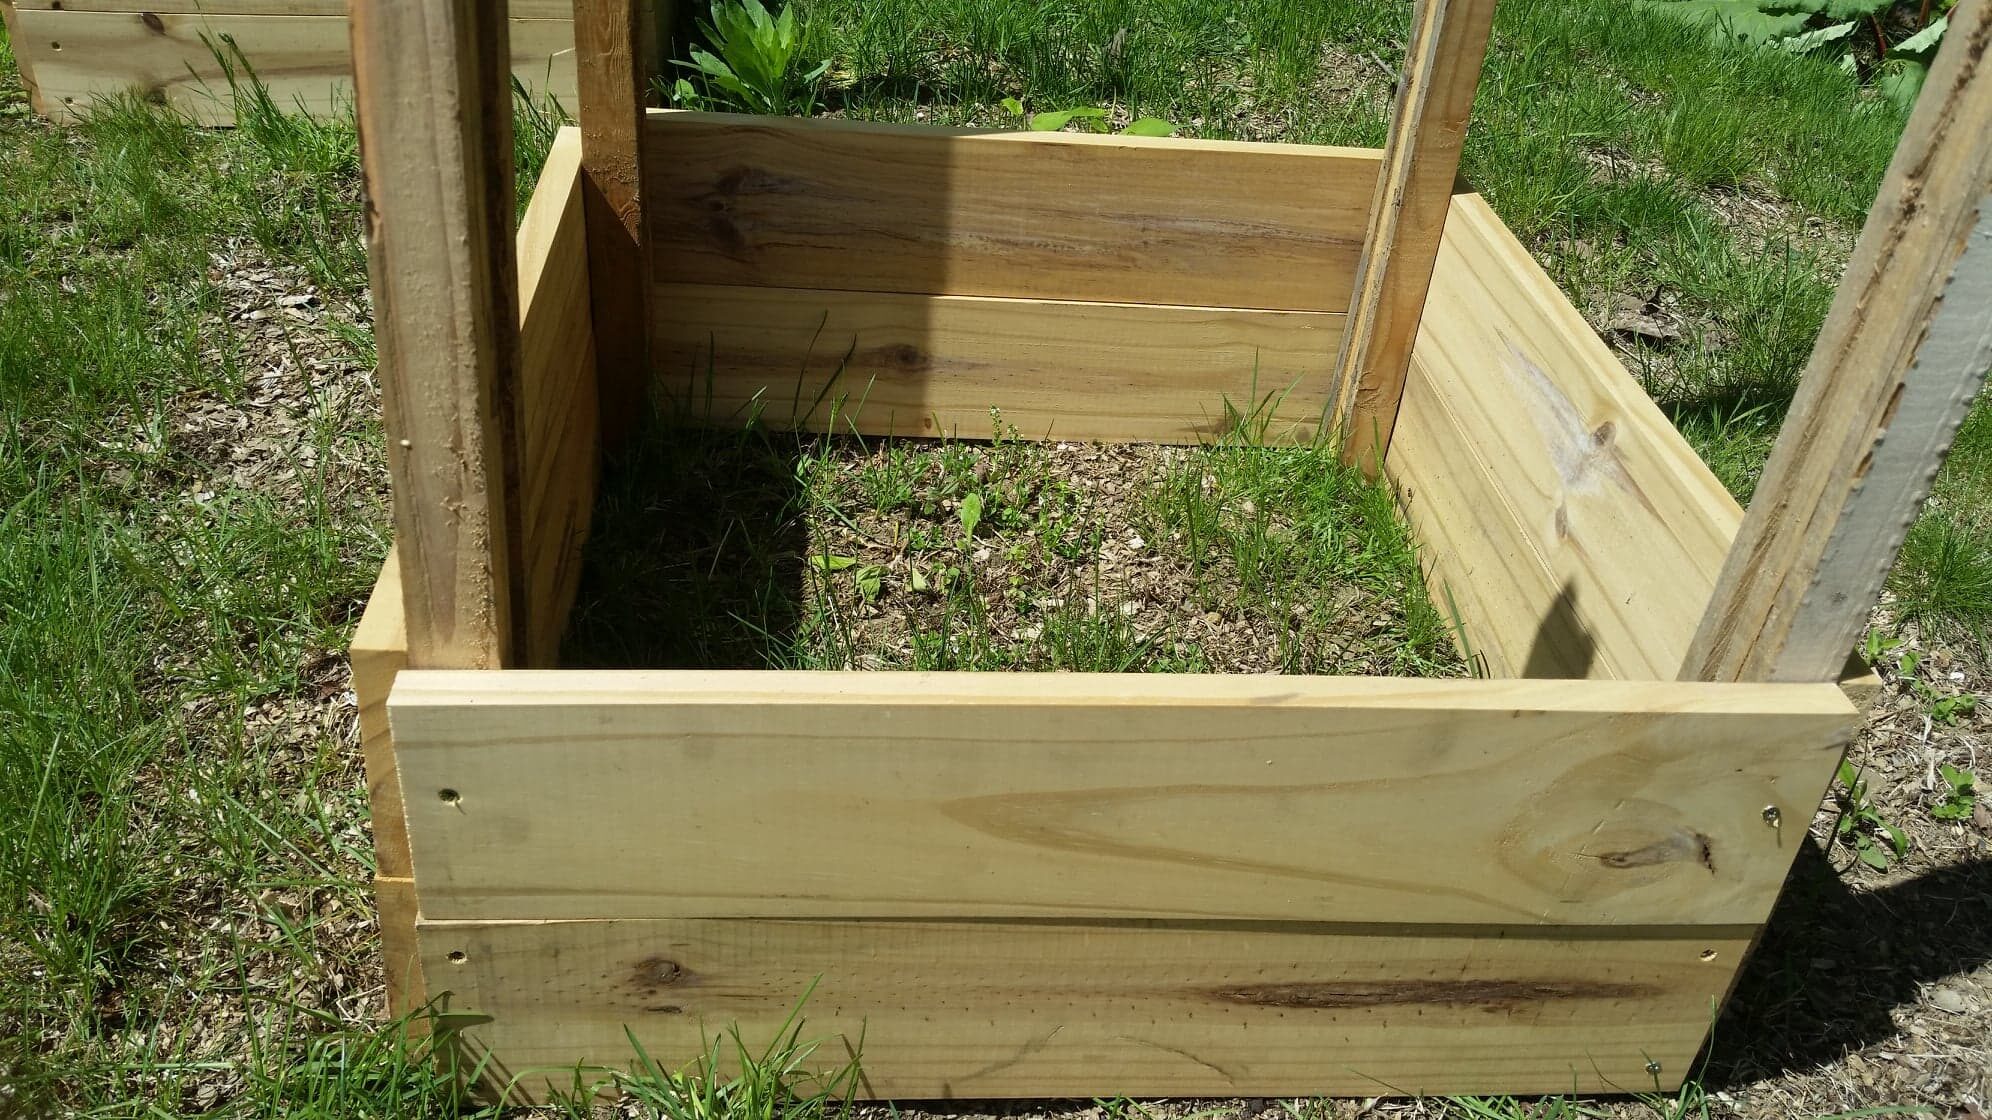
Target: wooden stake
<point>612,60</point>
<point>435,114</point>
<point>1898,362</point>
<point>1421,161</point>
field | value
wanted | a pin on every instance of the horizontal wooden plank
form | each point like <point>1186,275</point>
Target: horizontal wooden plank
<point>799,794</point>
<point>1576,531</point>
<point>519,9</point>
<point>891,364</point>
<point>557,420</point>
<point>305,61</point>
<point>896,208</point>
<point>997,1009</point>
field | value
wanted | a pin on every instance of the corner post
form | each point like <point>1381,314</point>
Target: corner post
<point>615,47</point>
<point>1408,214</point>
<point>432,84</point>
<point>1898,362</point>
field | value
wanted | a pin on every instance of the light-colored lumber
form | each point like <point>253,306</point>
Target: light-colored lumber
<point>1897,364</point>
<point>518,9</point>
<point>890,364</point>
<point>1575,531</point>
<point>1412,199</point>
<point>1058,1009</point>
<point>609,38</point>
<point>379,651</point>
<point>558,415</point>
<point>800,794</point>
<point>305,61</point>
<point>24,63</point>
<point>435,117</point>
<point>893,208</point>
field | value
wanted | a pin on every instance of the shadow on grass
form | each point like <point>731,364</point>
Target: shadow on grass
<point>695,557</point>
<point>1834,962</point>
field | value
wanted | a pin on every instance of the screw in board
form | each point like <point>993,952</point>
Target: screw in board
<point>1653,1067</point>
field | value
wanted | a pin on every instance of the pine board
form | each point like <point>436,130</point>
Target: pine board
<point>892,208</point>
<point>304,60</point>
<point>1577,532</point>
<point>809,794</point>
<point>1011,1009</point>
<point>891,364</point>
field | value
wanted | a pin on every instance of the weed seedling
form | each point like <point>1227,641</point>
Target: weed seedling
<point>1875,842</point>
<point>1960,796</point>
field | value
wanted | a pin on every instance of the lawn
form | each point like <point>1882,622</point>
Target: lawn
<point>193,506</point>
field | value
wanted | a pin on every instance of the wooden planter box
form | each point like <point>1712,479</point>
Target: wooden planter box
<point>1542,880</point>
<point>73,53</point>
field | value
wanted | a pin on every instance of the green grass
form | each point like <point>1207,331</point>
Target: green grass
<point>183,917</point>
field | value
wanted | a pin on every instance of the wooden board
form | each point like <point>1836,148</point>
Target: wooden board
<point>435,113</point>
<point>894,208</point>
<point>614,75</point>
<point>1058,1009</point>
<point>1576,531</point>
<point>929,365</point>
<point>1406,218</point>
<point>558,414</point>
<point>304,60</point>
<point>1898,362</point>
<point>799,794</point>
<point>378,653</point>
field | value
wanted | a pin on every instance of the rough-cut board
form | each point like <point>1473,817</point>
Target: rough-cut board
<point>891,364</point>
<point>1897,364</point>
<point>894,208</point>
<point>380,651</point>
<point>1427,131</point>
<point>613,72</point>
<point>435,115</point>
<point>305,60</point>
<point>557,404</point>
<point>994,1009</point>
<point>1575,530</point>
<point>798,794</point>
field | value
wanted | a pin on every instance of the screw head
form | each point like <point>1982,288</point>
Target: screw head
<point>1653,1067</point>
<point>1772,817</point>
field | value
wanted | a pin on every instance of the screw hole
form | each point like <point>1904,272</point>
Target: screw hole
<point>457,956</point>
<point>449,796</point>
<point>55,46</point>
<point>1708,954</point>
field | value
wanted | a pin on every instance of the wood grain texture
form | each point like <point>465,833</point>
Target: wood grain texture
<point>304,60</point>
<point>1058,1009</point>
<point>1897,364</point>
<point>379,651</point>
<point>798,794</point>
<point>1577,533</point>
<point>24,63</point>
<point>518,9</point>
<point>1412,199</point>
<point>435,115</point>
<point>891,364</point>
<point>400,948</point>
<point>558,413</point>
<point>608,36</point>
<point>894,208</point>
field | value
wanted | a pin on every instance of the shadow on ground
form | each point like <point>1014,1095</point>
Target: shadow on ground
<point>1834,962</point>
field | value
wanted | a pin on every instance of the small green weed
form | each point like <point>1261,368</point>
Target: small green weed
<point>1960,795</point>
<point>757,67</point>
<point>1860,826</point>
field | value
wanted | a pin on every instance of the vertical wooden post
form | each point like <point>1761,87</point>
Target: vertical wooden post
<point>1899,360</point>
<point>1413,191</point>
<point>612,64</point>
<point>432,87</point>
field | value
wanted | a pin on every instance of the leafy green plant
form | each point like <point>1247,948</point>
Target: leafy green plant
<point>971,516</point>
<point>1876,842</point>
<point>1827,27</point>
<point>757,66</point>
<point>1960,798</point>
<point>1091,118</point>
